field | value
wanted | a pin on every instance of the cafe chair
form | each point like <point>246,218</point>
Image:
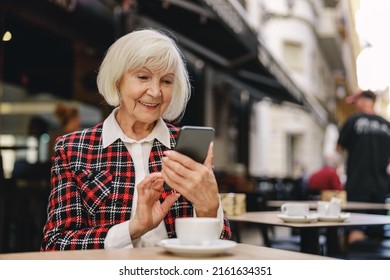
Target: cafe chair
<point>369,249</point>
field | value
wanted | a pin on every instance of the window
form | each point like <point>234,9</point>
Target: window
<point>293,55</point>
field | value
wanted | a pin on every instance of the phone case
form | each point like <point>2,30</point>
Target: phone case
<point>194,141</point>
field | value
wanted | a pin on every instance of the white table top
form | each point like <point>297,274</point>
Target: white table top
<point>240,252</point>
<point>349,206</point>
<point>271,218</point>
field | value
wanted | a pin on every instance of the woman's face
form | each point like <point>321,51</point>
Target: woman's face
<point>145,94</point>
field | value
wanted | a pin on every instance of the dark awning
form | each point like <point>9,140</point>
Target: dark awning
<point>87,20</point>
<point>217,31</point>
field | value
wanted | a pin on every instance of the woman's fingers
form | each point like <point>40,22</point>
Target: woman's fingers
<point>150,180</point>
<point>168,202</point>
<point>210,156</point>
<point>172,170</point>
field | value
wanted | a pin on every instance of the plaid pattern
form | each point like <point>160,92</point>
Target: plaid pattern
<point>92,190</point>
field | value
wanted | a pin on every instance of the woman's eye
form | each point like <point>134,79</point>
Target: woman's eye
<point>141,77</point>
<point>168,82</point>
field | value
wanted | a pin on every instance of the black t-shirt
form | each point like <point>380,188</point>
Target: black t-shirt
<point>367,141</point>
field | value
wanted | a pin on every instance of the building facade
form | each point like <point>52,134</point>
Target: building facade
<point>308,38</point>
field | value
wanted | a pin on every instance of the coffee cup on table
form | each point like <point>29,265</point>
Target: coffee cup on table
<point>323,208</point>
<point>329,208</point>
<point>335,206</point>
<point>295,209</point>
<point>198,231</point>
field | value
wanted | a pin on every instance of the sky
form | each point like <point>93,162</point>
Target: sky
<point>372,24</point>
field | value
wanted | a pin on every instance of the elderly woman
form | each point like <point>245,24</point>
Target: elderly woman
<point>107,181</point>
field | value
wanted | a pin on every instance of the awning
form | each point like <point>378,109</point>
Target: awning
<point>217,31</point>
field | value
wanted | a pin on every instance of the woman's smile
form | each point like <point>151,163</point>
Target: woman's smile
<point>149,105</point>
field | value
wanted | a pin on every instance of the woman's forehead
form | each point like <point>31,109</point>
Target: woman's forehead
<point>154,70</point>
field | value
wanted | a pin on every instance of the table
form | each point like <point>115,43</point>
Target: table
<point>240,252</point>
<point>309,232</point>
<point>349,206</point>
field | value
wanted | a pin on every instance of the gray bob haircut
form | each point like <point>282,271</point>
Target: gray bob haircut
<point>151,49</point>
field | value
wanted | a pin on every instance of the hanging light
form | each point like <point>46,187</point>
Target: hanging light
<point>7,36</point>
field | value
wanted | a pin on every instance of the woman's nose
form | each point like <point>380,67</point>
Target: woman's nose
<point>155,89</point>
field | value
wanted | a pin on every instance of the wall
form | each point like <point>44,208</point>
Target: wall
<point>270,151</point>
<point>282,134</point>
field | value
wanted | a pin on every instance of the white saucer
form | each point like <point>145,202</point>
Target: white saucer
<point>340,218</point>
<point>298,219</point>
<point>174,246</point>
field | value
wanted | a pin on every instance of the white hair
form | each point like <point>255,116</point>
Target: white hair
<point>145,48</point>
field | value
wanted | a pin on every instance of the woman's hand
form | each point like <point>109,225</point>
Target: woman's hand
<point>150,212</point>
<point>193,180</point>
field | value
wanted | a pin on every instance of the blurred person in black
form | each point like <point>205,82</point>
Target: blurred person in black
<point>365,137</point>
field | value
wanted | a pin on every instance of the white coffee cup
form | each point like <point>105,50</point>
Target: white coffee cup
<point>323,208</point>
<point>198,231</point>
<point>331,208</point>
<point>335,206</point>
<point>295,209</point>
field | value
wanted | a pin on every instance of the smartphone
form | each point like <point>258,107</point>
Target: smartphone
<point>194,141</point>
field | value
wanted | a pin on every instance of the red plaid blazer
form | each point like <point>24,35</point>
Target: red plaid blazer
<point>92,189</point>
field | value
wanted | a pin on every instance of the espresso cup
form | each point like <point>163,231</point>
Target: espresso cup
<point>335,206</point>
<point>198,231</point>
<point>295,209</point>
<point>323,208</point>
<point>332,208</point>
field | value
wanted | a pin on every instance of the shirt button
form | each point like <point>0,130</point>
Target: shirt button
<point>90,176</point>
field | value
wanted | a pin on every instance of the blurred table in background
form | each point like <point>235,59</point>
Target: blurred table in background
<point>309,232</point>
<point>349,206</point>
